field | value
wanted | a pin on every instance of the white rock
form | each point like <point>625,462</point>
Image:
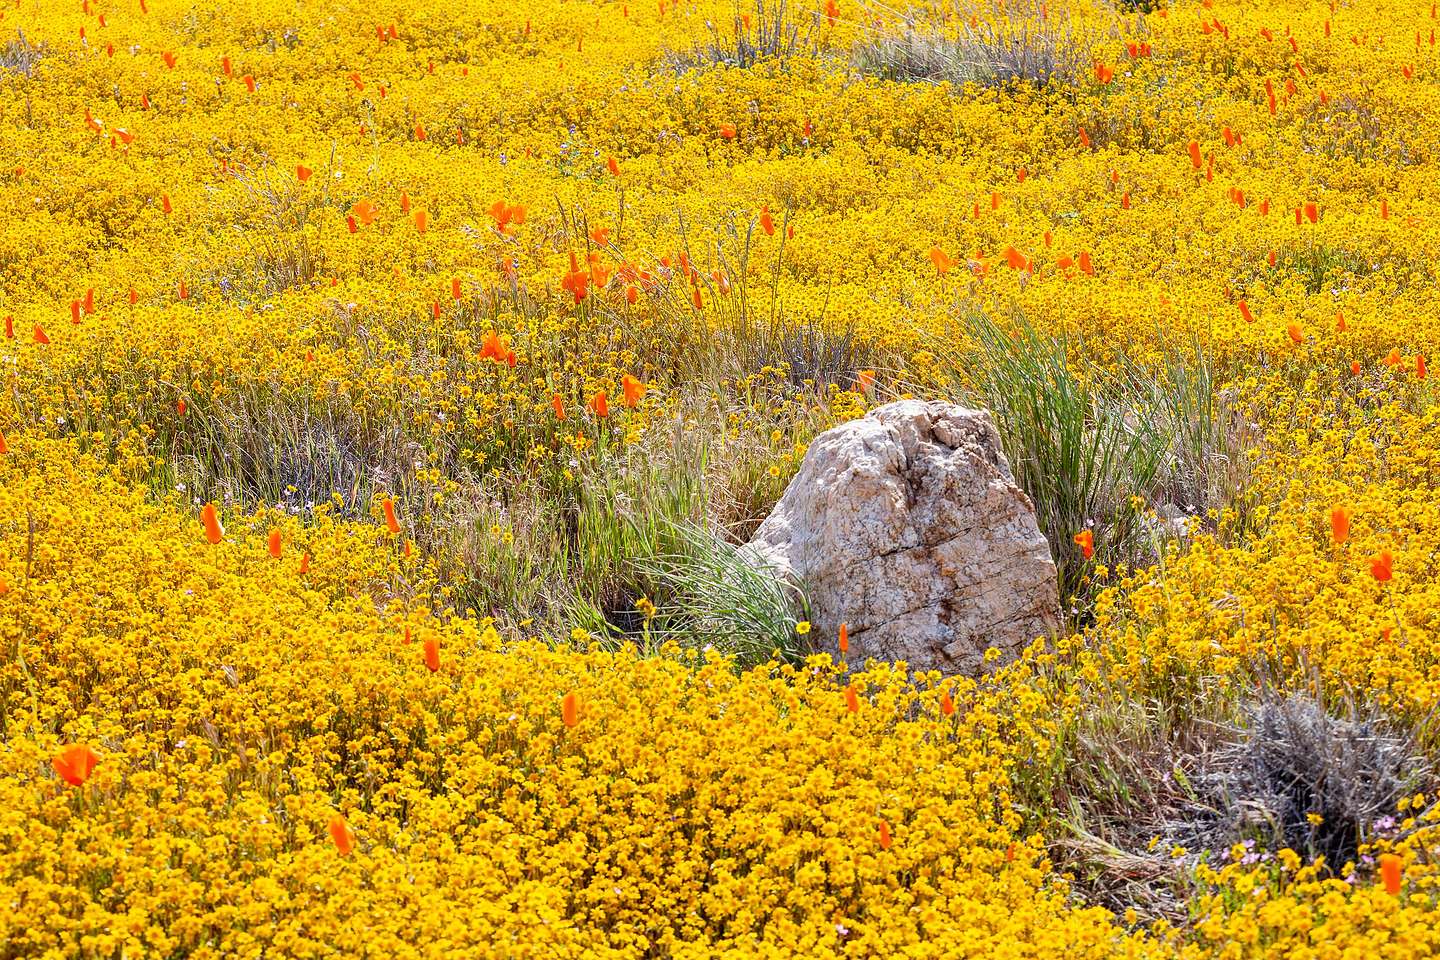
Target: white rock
<point>907,526</point>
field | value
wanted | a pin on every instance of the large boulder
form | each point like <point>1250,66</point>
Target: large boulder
<point>907,526</point>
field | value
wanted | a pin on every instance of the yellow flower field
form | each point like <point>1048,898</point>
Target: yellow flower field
<point>366,369</point>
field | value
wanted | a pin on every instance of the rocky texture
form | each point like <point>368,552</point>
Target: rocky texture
<point>907,526</point>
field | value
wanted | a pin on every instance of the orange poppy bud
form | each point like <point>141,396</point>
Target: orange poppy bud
<point>599,404</point>
<point>1419,367</point>
<point>40,335</point>
<point>422,220</point>
<point>1245,312</point>
<point>947,705</point>
<point>304,563</point>
<point>1195,159</point>
<point>432,653</point>
<point>844,638</point>
<point>274,545</point>
<point>885,840</point>
<point>392,523</point>
<point>558,405</point>
<point>210,520</point>
<point>1391,873</point>
<point>342,836</point>
<point>1339,524</point>
<point>570,709</point>
<point>852,699</point>
<point>614,167</point>
<point>767,222</point>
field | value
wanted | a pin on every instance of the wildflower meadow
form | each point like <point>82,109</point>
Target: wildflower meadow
<point>385,390</point>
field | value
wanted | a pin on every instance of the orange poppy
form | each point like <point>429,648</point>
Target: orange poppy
<point>1382,566</point>
<point>365,212</point>
<point>274,545</point>
<point>392,523</point>
<point>599,404</point>
<point>1085,540</point>
<point>210,520</point>
<point>852,699</point>
<point>432,653</point>
<point>633,389</point>
<point>570,709</point>
<point>75,763</point>
<point>942,261</point>
<point>844,638</point>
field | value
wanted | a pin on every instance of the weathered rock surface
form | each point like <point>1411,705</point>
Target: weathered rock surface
<point>907,526</point>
